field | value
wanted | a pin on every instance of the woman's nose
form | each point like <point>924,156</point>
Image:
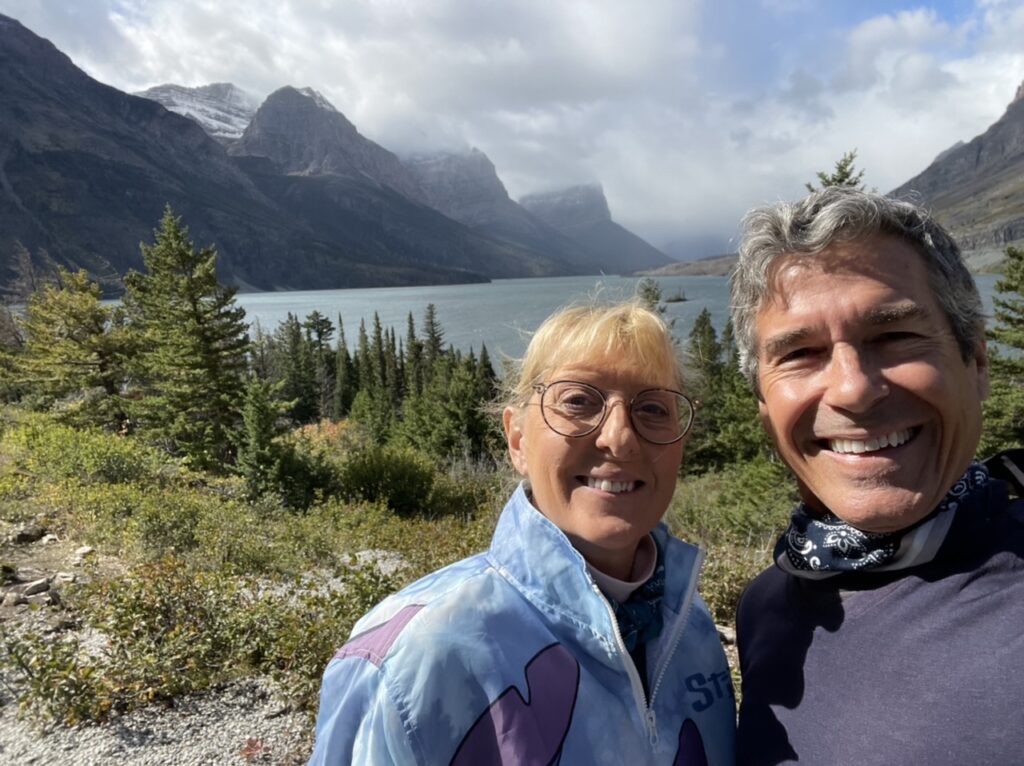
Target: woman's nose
<point>616,433</point>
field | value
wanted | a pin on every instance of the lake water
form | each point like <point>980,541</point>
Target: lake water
<point>501,313</point>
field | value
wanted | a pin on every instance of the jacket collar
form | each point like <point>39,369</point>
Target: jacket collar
<point>537,558</point>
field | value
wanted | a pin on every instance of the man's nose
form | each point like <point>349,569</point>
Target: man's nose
<point>854,380</point>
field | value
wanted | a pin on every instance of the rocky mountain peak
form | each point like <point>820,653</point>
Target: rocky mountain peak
<point>222,109</point>
<point>576,205</point>
<point>1019,94</point>
<point>462,185</point>
<point>304,133</point>
<point>318,99</point>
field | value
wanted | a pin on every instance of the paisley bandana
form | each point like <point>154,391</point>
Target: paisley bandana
<point>816,546</point>
<point>639,616</point>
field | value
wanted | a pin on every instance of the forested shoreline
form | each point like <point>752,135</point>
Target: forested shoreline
<point>246,479</point>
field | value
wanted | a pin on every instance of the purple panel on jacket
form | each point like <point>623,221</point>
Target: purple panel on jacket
<point>513,731</point>
<point>691,746</point>
<point>373,645</point>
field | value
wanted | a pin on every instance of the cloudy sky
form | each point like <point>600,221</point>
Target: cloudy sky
<point>688,112</point>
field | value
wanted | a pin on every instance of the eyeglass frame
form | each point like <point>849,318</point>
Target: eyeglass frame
<point>542,388</point>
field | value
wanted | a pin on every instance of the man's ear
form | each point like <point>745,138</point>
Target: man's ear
<point>512,420</point>
<point>981,360</point>
<point>762,413</point>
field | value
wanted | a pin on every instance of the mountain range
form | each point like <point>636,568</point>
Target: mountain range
<point>976,189</point>
<point>288,190</point>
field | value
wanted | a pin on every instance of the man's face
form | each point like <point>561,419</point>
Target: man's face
<point>864,389</point>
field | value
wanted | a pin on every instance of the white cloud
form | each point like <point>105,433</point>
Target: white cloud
<point>688,117</point>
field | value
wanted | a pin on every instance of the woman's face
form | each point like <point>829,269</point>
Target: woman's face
<point>605,490</point>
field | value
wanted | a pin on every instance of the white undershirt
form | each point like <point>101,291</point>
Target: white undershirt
<point>644,561</point>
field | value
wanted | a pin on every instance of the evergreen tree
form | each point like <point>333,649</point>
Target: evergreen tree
<point>1004,408</point>
<point>845,174</point>
<point>319,332</point>
<point>76,346</point>
<point>704,348</point>
<point>259,455</point>
<point>413,359</point>
<point>433,340</point>
<point>486,377</point>
<point>649,292</point>
<point>364,366</point>
<point>345,383</point>
<point>194,345</point>
<point>296,370</point>
<point>727,428</point>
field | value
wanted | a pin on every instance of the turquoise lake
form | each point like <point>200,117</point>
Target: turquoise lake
<point>501,313</point>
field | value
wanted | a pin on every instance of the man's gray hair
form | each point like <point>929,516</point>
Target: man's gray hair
<point>837,215</point>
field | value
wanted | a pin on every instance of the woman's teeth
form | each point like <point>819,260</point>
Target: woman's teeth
<point>856,446</point>
<point>610,486</point>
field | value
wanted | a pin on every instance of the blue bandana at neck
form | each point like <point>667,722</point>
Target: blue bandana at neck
<point>821,545</point>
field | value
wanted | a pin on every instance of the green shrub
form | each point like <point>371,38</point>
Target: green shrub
<point>173,630</point>
<point>401,477</point>
<point>742,503</point>
<point>53,451</point>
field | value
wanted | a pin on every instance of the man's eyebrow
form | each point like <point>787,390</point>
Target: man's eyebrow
<point>891,314</point>
<point>777,345</point>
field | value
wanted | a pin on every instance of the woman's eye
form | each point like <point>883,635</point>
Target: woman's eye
<point>578,400</point>
<point>652,410</point>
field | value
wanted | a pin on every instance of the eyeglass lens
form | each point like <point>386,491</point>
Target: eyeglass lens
<point>571,408</point>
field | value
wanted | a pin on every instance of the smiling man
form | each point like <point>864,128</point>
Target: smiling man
<point>889,630</point>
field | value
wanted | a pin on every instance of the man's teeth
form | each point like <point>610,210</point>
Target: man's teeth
<point>610,486</point>
<point>856,446</point>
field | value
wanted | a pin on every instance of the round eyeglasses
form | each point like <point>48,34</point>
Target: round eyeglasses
<point>571,408</point>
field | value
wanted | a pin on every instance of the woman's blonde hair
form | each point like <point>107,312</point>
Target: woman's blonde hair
<point>591,332</point>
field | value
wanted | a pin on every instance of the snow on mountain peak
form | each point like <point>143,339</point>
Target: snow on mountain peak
<point>223,110</point>
<point>318,98</point>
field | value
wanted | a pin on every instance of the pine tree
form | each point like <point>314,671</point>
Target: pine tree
<point>727,429</point>
<point>319,332</point>
<point>76,346</point>
<point>845,174</point>
<point>433,340</point>
<point>296,370</point>
<point>1004,408</point>
<point>259,455</point>
<point>194,345</point>
<point>345,382</point>
<point>413,360</point>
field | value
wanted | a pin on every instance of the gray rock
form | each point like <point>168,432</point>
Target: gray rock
<point>29,534</point>
<point>726,634</point>
<point>36,586</point>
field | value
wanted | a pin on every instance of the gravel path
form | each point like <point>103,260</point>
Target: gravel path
<point>241,724</point>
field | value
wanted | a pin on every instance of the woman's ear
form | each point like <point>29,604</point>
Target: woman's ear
<point>512,419</point>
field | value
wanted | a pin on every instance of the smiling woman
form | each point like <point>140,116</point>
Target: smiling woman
<point>578,638</point>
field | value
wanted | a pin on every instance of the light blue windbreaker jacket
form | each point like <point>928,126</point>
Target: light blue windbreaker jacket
<point>513,656</point>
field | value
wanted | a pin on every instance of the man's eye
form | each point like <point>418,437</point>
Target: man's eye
<point>796,354</point>
<point>896,336</point>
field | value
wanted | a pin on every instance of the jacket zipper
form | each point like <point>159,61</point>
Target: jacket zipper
<point>646,710</point>
<point>647,706</point>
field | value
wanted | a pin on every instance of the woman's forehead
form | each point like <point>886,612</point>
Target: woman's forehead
<point>612,370</point>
